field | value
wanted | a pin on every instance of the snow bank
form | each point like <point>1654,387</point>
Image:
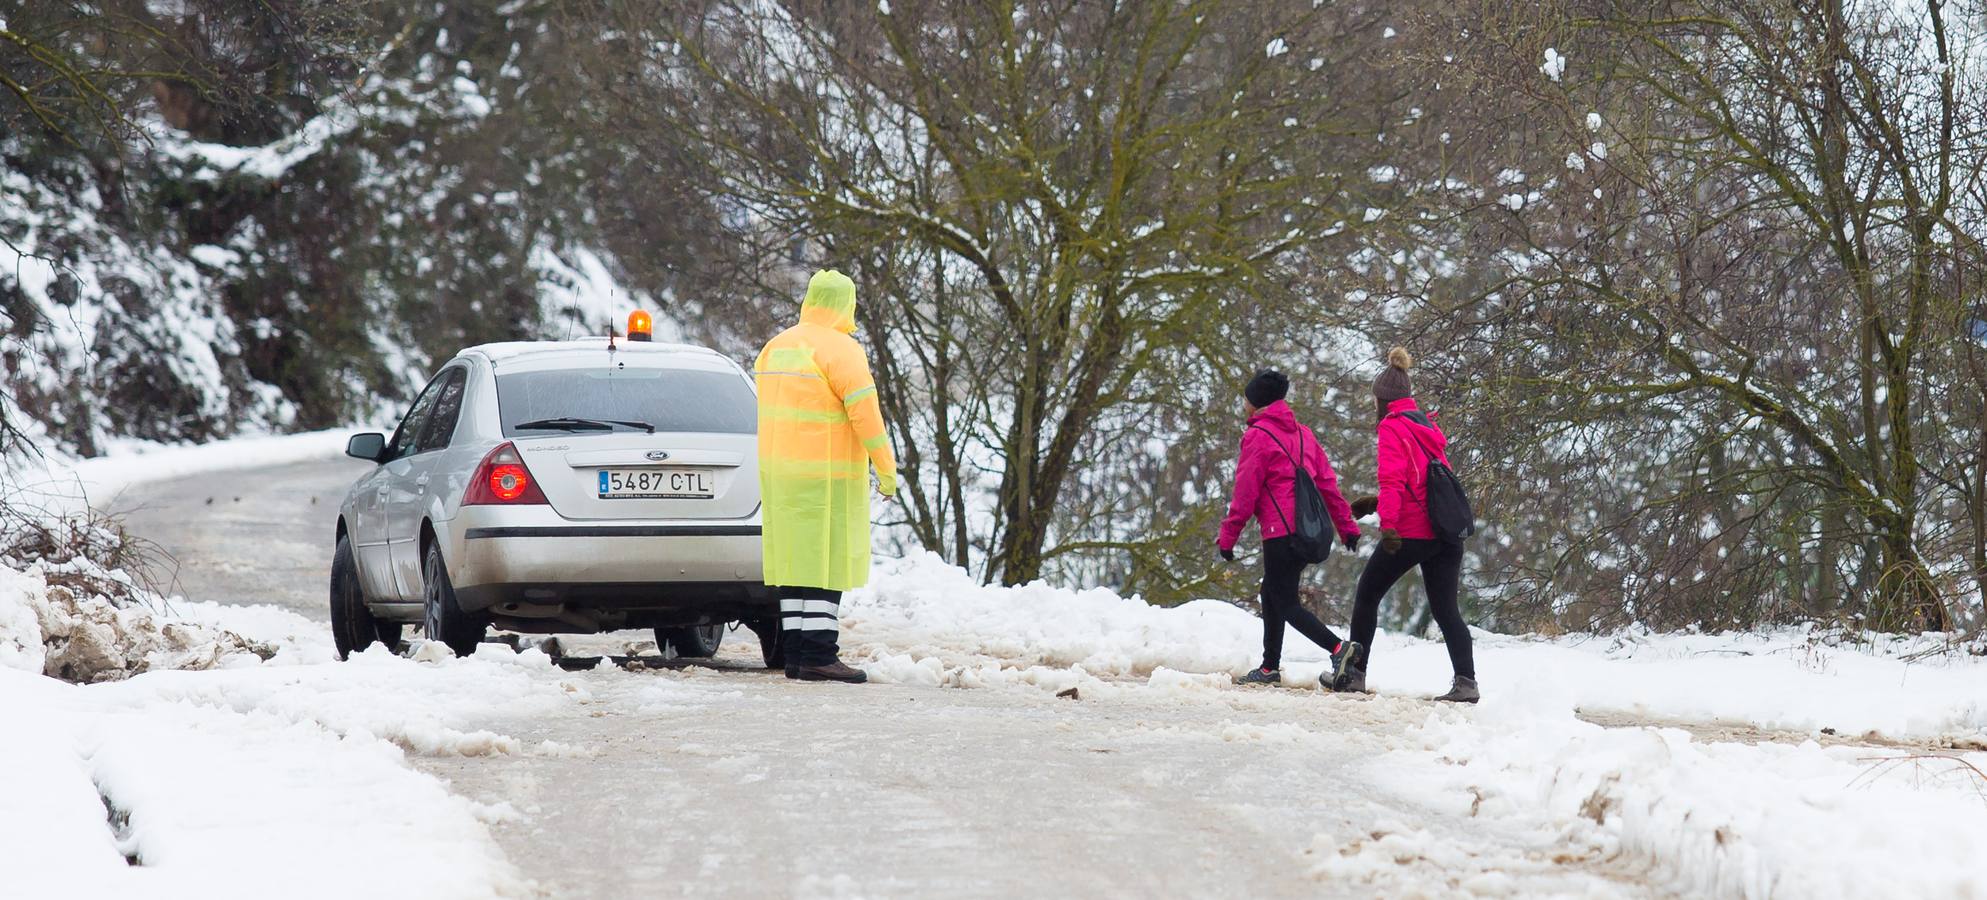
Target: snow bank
<point>1719,819</point>
<point>213,804</point>
<point>1789,679</point>
<point>21,646</point>
<point>1792,679</point>
<point>923,606</point>
<point>265,775</point>
<point>429,713</point>
<point>52,820</point>
<point>68,632</point>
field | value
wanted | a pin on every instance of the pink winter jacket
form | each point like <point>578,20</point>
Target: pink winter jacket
<point>1404,469</point>
<point>1265,481</point>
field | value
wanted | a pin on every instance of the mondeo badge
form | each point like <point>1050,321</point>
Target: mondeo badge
<point>657,455</point>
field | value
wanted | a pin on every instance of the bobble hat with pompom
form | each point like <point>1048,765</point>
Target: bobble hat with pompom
<point>1393,382</point>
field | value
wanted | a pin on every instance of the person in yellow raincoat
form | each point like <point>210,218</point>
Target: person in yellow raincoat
<point>820,431</point>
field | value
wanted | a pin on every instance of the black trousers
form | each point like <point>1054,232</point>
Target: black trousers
<point>810,625</point>
<point>1281,572</point>
<point>1441,572</point>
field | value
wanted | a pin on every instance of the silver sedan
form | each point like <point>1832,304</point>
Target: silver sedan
<point>571,486</point>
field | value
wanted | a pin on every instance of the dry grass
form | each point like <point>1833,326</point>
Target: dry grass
<point>90,553</point>
<point>1939,770</point>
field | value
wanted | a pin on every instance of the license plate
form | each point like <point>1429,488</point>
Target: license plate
<point>656,484</point>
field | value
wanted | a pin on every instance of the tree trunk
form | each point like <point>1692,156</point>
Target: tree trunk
<point>1907,597</point>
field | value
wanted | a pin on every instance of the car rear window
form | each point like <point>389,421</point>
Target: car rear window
<point>669,399</point>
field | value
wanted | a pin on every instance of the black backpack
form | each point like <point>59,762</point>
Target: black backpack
<point>1449,511</point>
<point>1311,536</point>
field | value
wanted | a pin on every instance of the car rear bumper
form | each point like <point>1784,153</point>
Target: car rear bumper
<point>601,556</point>
<point>526,564</point>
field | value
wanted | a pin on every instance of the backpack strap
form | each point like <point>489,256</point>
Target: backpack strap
<point>1294,462</point>
<point>1279,444</point>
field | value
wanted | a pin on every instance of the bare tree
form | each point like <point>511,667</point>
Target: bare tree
<point>1065,203</point>
<point>1758,248</point>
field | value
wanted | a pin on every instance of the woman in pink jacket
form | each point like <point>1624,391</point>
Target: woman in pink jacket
<point>1408,438</point>
<point>1265,490</point>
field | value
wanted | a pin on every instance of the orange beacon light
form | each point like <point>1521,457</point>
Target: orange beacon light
<point>640,326</point>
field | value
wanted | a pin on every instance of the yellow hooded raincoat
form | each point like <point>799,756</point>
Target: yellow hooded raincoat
<point>820,429</point>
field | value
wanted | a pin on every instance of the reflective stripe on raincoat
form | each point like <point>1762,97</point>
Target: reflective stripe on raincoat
<point>820,429</point>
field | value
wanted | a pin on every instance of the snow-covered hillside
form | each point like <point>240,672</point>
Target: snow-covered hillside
<point>184,277</point>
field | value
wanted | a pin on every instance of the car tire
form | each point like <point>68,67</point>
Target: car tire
<point>692,641</point>
<point>353,627</point>
<point>441,619</point>
<point>772,642</point>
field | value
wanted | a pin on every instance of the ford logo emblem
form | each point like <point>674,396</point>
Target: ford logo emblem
<point>657,455</point>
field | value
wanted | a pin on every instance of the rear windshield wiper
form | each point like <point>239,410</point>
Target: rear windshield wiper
<point>571,423</point>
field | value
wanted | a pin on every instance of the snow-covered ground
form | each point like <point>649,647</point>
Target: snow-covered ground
<point>309,777</point>
<point>919,612</point>
<point>254,779</point>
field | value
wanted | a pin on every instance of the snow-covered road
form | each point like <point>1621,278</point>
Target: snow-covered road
<point>730,781</point>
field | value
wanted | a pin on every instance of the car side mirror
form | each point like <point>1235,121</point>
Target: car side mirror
<point>369,446</point>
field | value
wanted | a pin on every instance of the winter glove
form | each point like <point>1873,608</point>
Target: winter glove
<point>1390,540</point>
<point>886,484</point>
<point>1351,541</point>
<point>1228,553</point>
<point>1365,506</point>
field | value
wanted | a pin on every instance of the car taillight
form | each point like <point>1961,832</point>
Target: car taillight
<point>502,479</point>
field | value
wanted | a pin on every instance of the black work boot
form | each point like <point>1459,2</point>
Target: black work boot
<point>1341,663</point>
<point>1462,690</point>
<point>793,671</point>
<point>834,671</point>
<point>1261,676</point>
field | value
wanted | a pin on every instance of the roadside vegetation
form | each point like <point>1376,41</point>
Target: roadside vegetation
<point>1699,281</point>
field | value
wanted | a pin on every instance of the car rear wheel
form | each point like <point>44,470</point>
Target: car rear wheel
<point>692,641</point>
<point>353,627</point>
<point>772,642</point>
<point>441,618</point>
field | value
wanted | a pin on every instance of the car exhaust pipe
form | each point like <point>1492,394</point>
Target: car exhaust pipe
<point>540,619</point>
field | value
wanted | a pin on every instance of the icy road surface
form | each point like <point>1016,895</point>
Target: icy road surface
<point>727,780</point>
<point>732,781</point>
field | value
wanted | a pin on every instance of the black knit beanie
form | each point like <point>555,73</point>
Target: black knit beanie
<point>1266,388</point>
<point>1393,383</point>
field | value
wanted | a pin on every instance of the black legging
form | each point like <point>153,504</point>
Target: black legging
<point>1281,572</point>
<point>1441,569</point>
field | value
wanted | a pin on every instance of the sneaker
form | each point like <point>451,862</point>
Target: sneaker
<point>1462,690</point>
<point>834,671</point>
<point>1352,682</point>
<point>1261,676</point>
<point>1341,663</point>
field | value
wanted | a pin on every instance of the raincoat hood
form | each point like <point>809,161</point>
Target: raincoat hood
<point>830,302</point>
